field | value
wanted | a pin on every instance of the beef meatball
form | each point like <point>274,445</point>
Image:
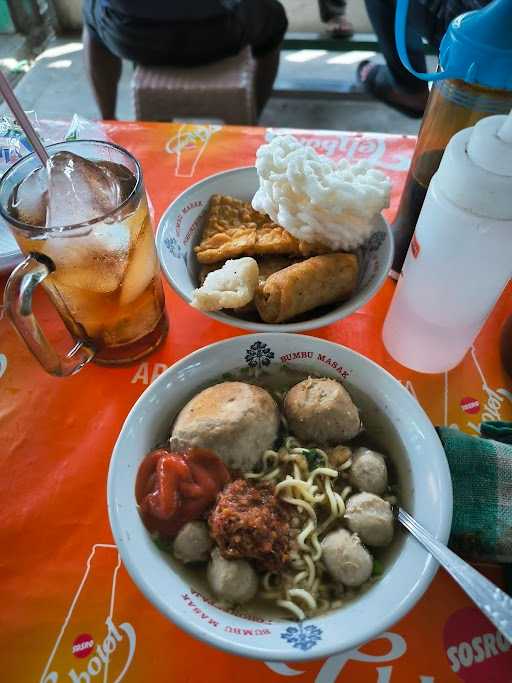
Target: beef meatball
<point>346,559</point>
<point>233,581</point>
<point>368,471</point>
<point>193,542</point>
<point>321,411</point>
<point>371,518</point>
<point>237,421</point>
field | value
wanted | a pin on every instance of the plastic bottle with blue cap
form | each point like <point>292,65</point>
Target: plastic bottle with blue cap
<point>460,257</point>
<point>474,80</point>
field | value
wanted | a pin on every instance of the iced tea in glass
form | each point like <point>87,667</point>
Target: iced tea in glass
<point>85,228</point>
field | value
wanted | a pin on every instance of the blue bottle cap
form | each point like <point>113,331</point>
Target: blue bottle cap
<point>476,48</point>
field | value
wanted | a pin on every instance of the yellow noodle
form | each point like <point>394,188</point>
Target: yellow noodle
<point>317,548</point>
<point>341,504</point>
<point>272,475</point>
<point>303,595</point>
<point>301,538</point>
<point>300,576</point>
<point>292,607</point>
<point>326,471</point>
<point>334,513</point>
<point>302,504</point>
<point>300,588</point>
<point>346,492</point>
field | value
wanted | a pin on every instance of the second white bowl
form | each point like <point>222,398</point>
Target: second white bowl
<point>180,230</point>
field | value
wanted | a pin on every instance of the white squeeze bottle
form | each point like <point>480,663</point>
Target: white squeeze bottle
<point>460,258</point>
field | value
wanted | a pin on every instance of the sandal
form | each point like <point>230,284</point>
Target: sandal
<point>340,27</point>
<point>379,84</point>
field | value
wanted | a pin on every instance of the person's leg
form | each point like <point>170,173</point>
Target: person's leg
<point>264,25</point>
<point>104,71</point>
<point>330,9</point>
<point>392,83</point>
<point>332,13</point>
<point>382,17</point>
<point>266,71</point>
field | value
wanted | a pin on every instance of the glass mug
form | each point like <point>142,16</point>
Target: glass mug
<point>101,275</point>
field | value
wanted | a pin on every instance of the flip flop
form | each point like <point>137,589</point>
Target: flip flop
<point>378,83</point>
<point>336,31</point>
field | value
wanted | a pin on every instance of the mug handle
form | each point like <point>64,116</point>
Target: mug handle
<point>18,303</point>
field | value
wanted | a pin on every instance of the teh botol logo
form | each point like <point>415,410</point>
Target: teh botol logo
<point>99,656</point>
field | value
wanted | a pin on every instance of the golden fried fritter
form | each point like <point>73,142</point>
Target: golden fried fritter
<point>233,229</point>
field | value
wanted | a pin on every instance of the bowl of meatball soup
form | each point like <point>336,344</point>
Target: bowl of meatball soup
<point>251,494</point>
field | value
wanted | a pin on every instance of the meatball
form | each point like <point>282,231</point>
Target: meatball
<point>346,559</point>
<point>237,421</point>
<point>234,581</point>
<point>321,411</point>
<point>371,518</point>
<point>193,542</point>
<point>249,521</point>
<point>338,456</point>
<point>368,471</point>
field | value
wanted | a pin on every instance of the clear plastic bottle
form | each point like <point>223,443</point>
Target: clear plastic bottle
<point>474,81</point>
<point>460,257</point>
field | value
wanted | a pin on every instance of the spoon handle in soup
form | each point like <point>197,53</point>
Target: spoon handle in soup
<point>494,603</point>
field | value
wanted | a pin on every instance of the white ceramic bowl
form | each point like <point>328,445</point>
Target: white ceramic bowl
<point>387,408</point>
<point>180,230</point>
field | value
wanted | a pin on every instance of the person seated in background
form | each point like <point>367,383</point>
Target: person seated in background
<point>178,33</point>
<point>392,83</point>
<point>332,13</point>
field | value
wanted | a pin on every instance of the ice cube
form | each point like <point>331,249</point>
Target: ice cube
<point>79,190</point>
<point>96,261</point>
<point>31,198</point>
<point>142,266</point>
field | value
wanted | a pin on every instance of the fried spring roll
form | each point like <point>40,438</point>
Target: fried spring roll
<point>317,281</point>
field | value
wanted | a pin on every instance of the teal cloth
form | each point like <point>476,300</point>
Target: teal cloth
<point>481,470</point>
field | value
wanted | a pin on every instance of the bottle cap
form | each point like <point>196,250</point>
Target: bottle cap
<point>476,48</point>
<point>476,169</point>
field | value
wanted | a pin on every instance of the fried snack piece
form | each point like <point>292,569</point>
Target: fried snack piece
<point>207,269</point>
<point>317,281</point>
<point>268,265</point>
<point>232,286</point>
<point>233,228</point>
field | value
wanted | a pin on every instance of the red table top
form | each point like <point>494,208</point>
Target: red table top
<point>61,576</point>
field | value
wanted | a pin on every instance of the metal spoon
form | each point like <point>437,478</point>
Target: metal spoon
<point>494,603</point>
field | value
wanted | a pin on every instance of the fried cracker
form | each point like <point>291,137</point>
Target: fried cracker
<point>233,228</point>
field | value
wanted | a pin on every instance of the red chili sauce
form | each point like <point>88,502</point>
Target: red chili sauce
<point>175,488</point>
